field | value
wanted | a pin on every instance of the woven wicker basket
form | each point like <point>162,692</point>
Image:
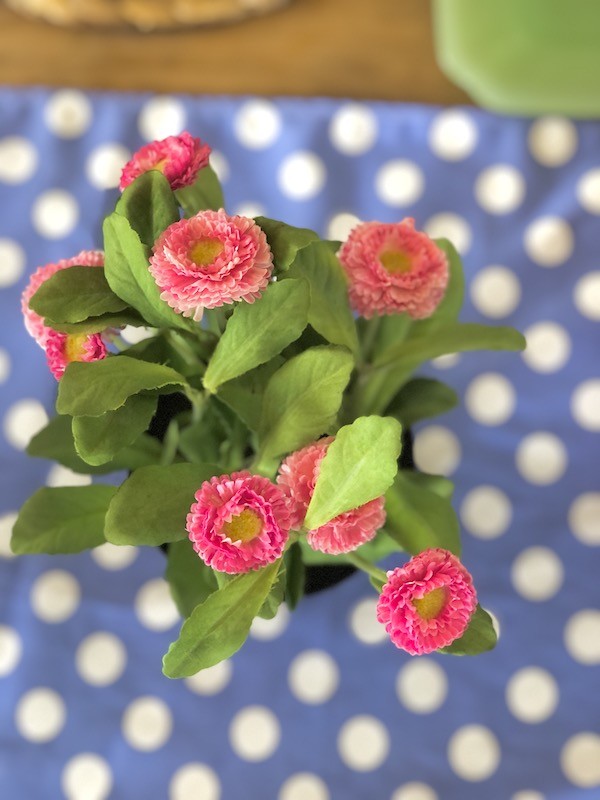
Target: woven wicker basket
<point>146,15</point>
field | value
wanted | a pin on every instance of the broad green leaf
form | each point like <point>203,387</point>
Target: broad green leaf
<point>451,304</point>
<point>285,240</point>
<point>67,519</point>
<point>149,205</point>
<point>92,389</point>
<point>257,332</point>
<point>418,518</point>
<point>302,399</point>
<point>99,439</point>
<point>151,506</point>
<point>275,597</point>
<point>98,324</point>
<point>422,398</point>
<point>205,193</point>
<point>295,575</point>
<point>219,626</point>
<point>74,294</point>
<point>379,333</point>
<point>245,395</point>
<point>360,465</point>
<point>479,637</point>
<point>329,313</point>
<point>438,484</point>
<point>190,580</point>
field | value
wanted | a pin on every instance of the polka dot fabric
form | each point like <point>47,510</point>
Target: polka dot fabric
<point>319,705</point>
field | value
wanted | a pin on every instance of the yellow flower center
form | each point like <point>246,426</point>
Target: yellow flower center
<point>396,261</point>
<point>430,605</point>
<point>204,251</point>
<point>160,165</point>
<point>75,347</point>
<point>244,526</point>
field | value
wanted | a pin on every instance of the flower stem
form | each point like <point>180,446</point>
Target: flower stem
<point>367,567</point>
<point>369,339</point>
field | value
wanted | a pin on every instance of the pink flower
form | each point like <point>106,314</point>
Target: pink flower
<point>239,522</point>
<point>394,269</point>
<point>64,348</point>
<point>179,158</point>
<point>209,260</point>
<point>33,322</point>
<point>297,477</point>
<point>427,603</point>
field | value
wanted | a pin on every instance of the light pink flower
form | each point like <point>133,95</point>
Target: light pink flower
<point>209,260</point>
<point>297,477</point>
<point>33,322</point>
<point>239,522</point>
<point>427,603</point>
<point>179,158</point>
<point>394,269</point>
<point>64,348</point>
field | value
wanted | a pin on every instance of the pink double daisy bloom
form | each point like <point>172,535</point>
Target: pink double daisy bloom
<point>179,158</point>
<point>428,603</point>
<point>394,269</point>
<point>64,348</point>
<point>297,478</point>
<point>239,522</point>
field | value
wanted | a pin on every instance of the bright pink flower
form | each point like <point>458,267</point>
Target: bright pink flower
<point>297,477</point>
<point>427,603</point>
<point>179,158</point>
<point>394,269</point>
<point>209,260</point>
<point>239,522</point>
<point>33,322</point>
<point>64,348</point>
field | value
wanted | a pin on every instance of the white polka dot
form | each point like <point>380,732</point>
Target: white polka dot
<point>313,677</point>
<point>552,140</point>
<point>55,596</point>
<point>363,743</point>
<point>147,723</point>
<point>495,291</point>
<point>580,759</point>
<point>446,362</point>
<point>301,175</point>
<point>588,191</point>
<point>114,557</point>
<point>527,795</point>
<point>436,450</point>
<point>68,113</point>
<point>399,183</point>
<point>10,650</point>
<point>422,686</point>
<point>155,607</point>
<point>18,159</point>
<point>541,458</point>
<point>55,214</point>
<point>587,295</point>
<point>452,227</point>
<point>161,117</point>
<point>6,525</point>
<point>12,262</point>
<point>254,733</point>
<point>486,512</point>
<point>415,791</point>
<point>134,335</point>
<point>220,165</point>
<point>548,347</point>
<point>4,365</point>
<point>101,658</point>
<point>532,695</point>
<point>250,210</point>
<point>353,129</point>
<point>584,518</point>
<point>195,782</point>
<point>105,164</point>
<point>40,715</point>
<point>303,786</point>
<point>453,135</point>
<point>86,776</point>
<point>582,636</point>
<point>340,226</point>
<point>474,753</point>
<point>267,629</point>
<point>364,624</point>
<point>537,573</point>
<point>211,680</point>
<point>490,399</point>
<point>585,404</point>
<point>22,421</point>
<point>63,476</point>
<point>549,241</point>
<point>500,189</point>
<point>257,124</point>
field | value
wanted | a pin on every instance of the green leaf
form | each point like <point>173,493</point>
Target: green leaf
<point>205,193</point>
<point>151,506</point>
<point>219,626</point>
<point>418,518</point>
<point>74,294</point>
<point>257,332</point>
<point>422,398</point>
<point>285,240</point>
<point>190,580</point>
<point>99,439</point>
<point>438,484</point>
<point>98,324</point>
<point>149,205</point>
<point>379,333</point>
<point>91,389</point>
<point>245,395</point>
<point>68,519</point>
<point>329,313</point>
<point>479,637</point>
<point>360,465</point>
<point>295,576</point>
<point>275,597</point>
<point>302,399</point>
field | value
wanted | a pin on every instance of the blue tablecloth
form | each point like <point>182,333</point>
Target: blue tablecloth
<point>321,705</point>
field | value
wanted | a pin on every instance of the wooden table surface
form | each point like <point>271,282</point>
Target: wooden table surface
<point>378,49</point>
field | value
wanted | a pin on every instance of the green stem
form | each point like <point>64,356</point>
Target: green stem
<point>366,566</point>
<point>184,348</point>
<point>369,339</point>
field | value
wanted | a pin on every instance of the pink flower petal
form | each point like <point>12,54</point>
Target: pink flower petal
<point>179,158</point>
